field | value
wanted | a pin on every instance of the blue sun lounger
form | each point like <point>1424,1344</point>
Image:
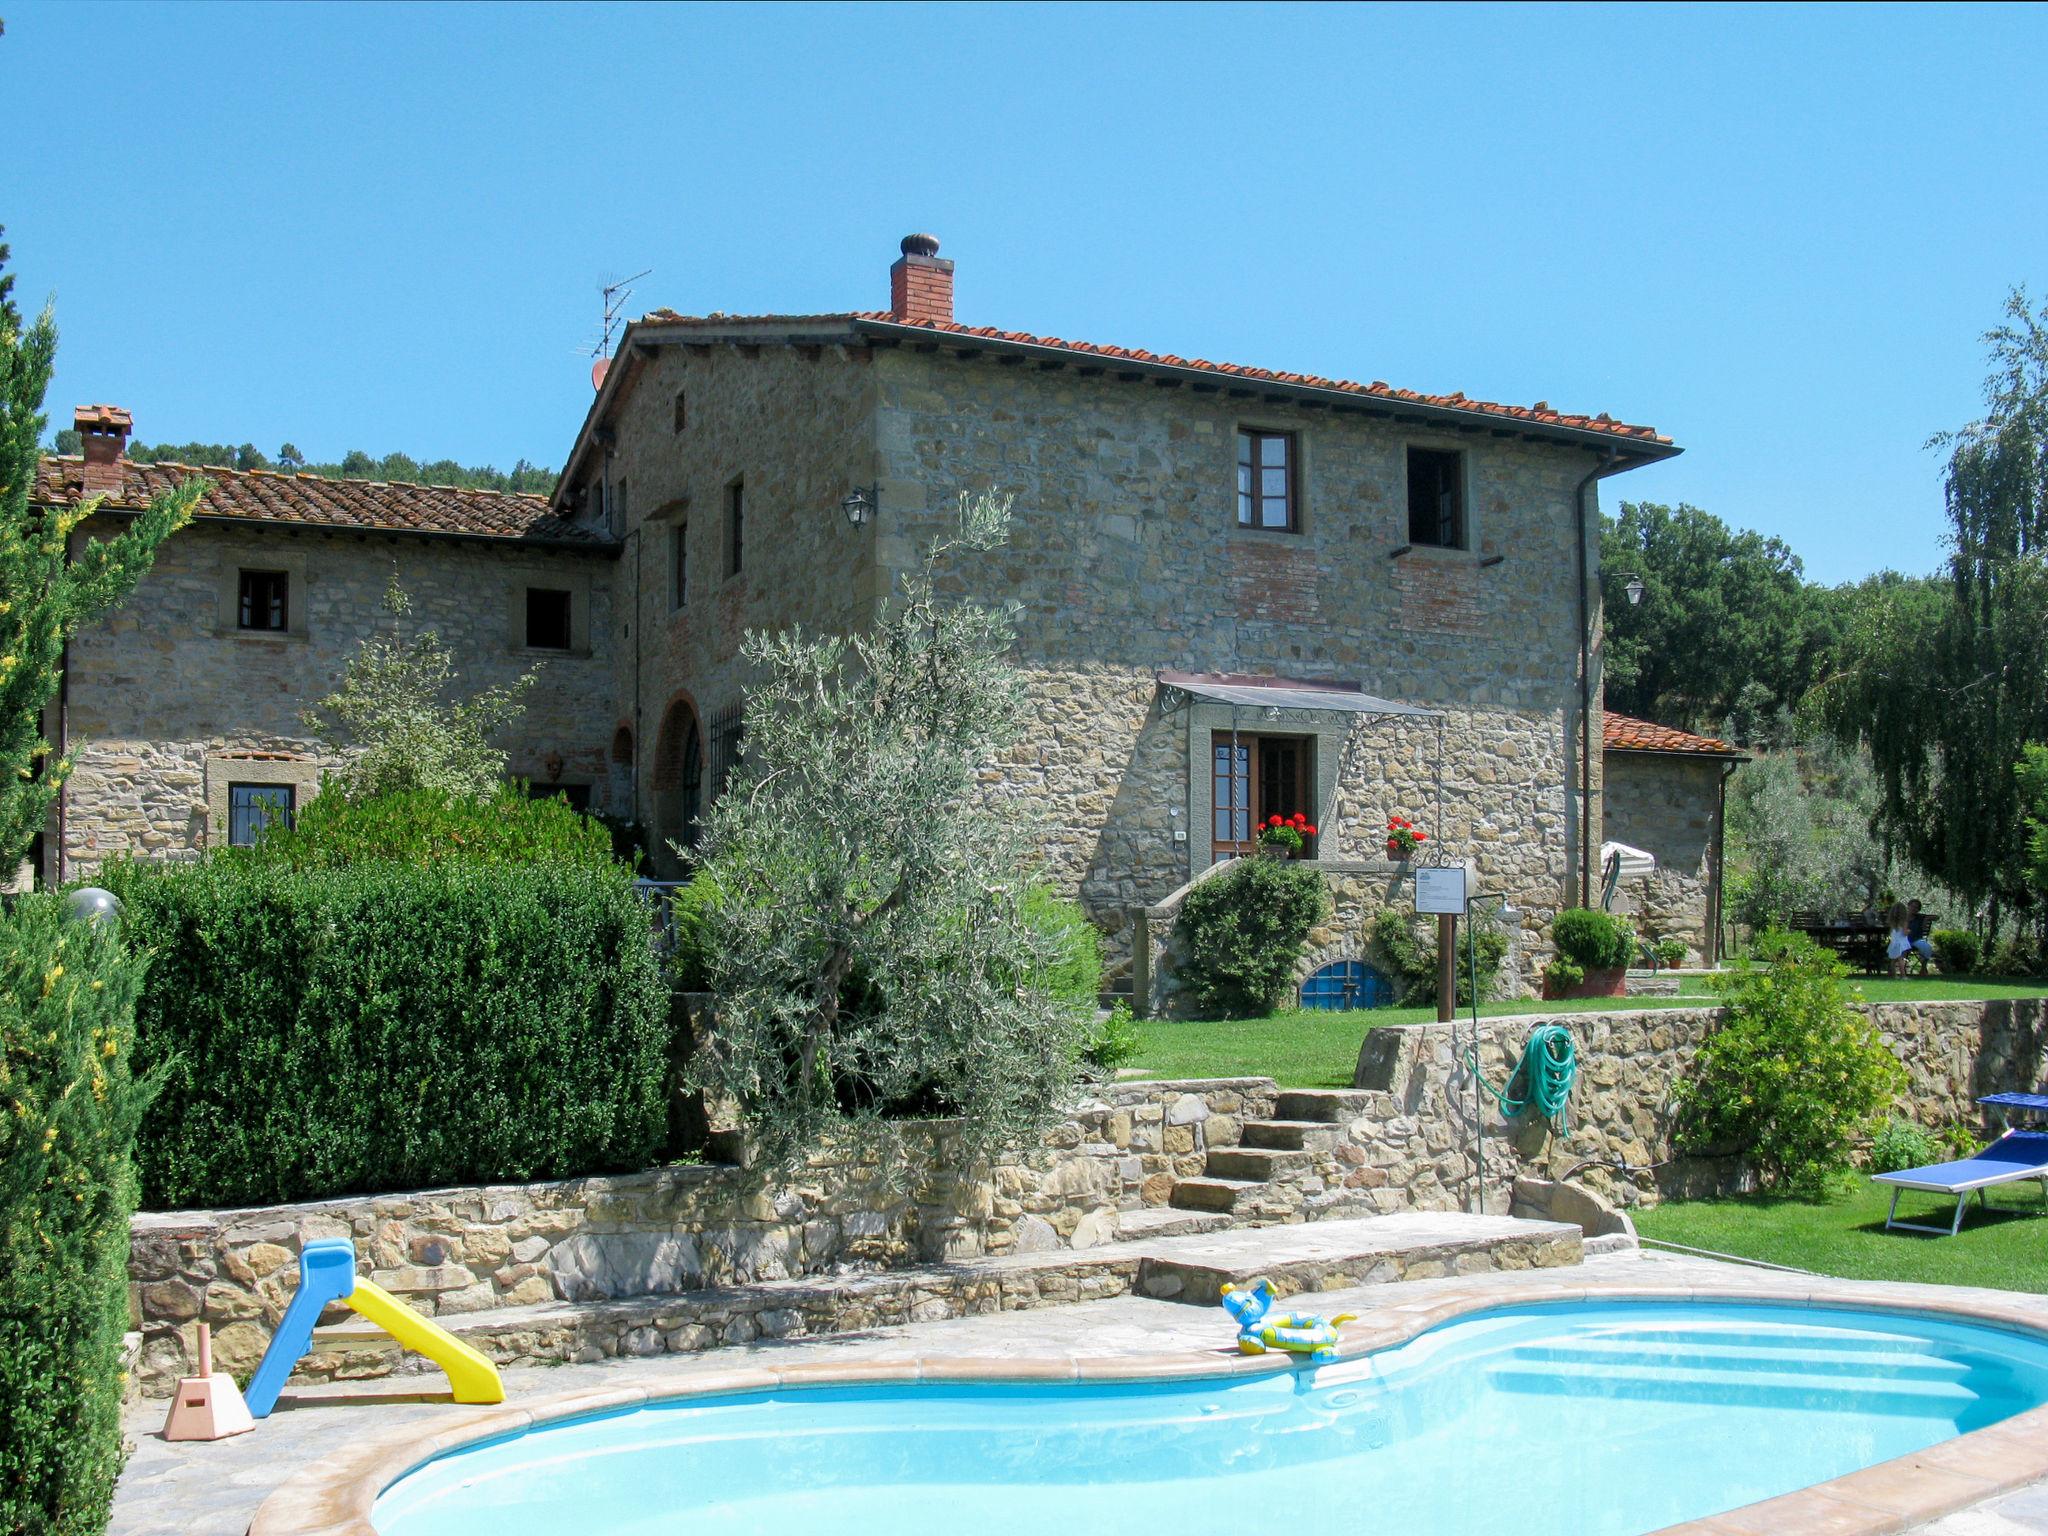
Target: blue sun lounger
<point>2015,1156</point>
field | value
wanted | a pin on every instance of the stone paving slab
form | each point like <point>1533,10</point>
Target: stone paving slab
<point>1326,1255</point>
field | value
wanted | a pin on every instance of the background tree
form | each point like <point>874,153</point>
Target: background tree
<point>396,713</point>
<point>1721,608</point>
<point>1947,693</point>
<point>47,594</point>
<point>865,929</point>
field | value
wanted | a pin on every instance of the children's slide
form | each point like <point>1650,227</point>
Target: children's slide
<point>327,1272</point>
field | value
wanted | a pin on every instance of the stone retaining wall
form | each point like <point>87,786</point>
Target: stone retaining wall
<point>1622,1108</point>
<point>451,1251</point>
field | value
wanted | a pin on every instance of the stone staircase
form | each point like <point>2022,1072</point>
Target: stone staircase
<point>1280,1169</point>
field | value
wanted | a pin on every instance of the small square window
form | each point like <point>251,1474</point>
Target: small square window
<point>1436,498</point>
<point>547,619</point>
<point>679,565</point>
<point>255,808</point>
<point>735,526</point>
<point>1265,480</point>
<point>265,601</point>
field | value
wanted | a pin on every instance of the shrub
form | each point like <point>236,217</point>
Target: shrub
<point>1240,933</point>
<point>1957,949</point>
<point>324,1031</point>
<point>1795,1076</point>
<point>1593,941</point>
<point>2017,956</point>
<point>67,1001</point>
<point>1564,974</point>
<point>1070,968</point>
<point>1671,953</point>
<point>433,826</point>
<point>1901,1144</point>
<point>1409,952</point>
<point>1116,1041</point>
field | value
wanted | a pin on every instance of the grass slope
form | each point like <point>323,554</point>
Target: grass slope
<point>2005,1247</point>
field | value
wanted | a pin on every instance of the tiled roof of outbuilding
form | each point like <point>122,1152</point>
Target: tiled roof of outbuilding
<point>267,496</point>
<point>1625,733</point>
<point>1539,414</point>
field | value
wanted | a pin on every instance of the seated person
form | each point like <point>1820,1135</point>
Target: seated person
<point>1903,942</point>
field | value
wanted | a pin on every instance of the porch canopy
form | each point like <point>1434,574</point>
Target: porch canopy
<point>1254,692</point>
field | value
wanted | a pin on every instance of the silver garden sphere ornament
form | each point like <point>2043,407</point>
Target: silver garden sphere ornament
<point>90,904</point>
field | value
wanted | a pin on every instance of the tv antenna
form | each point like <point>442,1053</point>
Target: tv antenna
<point>615,296</point>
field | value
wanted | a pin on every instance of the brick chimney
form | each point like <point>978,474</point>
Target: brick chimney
<point>920,284</point>
<point>104,431</point>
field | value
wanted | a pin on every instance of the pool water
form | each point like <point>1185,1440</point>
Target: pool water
<point>1575,1419</point>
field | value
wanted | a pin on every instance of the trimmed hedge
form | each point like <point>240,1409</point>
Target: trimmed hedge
<point>327,1031</point>
<point>432,826</point>
<point>68,1113</point>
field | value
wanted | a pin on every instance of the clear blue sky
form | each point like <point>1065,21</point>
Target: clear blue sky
<point>1774,234</point>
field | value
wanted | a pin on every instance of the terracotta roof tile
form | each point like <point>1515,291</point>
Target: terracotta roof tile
<point>1625,733</point>
<point>1540,414</point>
<point>257,495</point>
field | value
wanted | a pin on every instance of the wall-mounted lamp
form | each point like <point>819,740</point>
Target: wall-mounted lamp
<point>1635,590</point>
<point>861,503</point>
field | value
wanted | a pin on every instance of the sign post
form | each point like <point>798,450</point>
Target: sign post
<point>1440,889</point>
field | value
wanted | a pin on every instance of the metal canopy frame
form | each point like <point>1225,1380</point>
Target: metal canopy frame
<point>1271,696</point>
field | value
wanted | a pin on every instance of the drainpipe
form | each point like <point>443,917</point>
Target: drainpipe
<point>1605,466</point>
<point>1713,957</point>
<point>63,746</point>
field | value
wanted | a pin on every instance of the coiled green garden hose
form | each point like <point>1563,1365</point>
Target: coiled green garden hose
<point>1547,1070</point>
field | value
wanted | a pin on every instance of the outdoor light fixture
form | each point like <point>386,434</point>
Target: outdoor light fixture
<point>1635,590</point>
<point>859,504</point>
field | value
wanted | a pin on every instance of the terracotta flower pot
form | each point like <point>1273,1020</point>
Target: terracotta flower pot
<point>1608,983</point>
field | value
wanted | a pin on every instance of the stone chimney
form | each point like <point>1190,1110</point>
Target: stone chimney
<point>921,285</point>
<point>104,431</point>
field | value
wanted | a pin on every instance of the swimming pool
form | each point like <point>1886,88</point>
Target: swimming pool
<point>1598,1418</point>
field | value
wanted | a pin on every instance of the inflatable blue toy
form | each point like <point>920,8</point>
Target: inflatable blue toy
<point>1259,1328</point>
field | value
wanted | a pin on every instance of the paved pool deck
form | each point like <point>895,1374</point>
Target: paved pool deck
<point>187,1489</point>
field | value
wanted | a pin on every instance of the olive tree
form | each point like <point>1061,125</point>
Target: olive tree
<point>864,889</point>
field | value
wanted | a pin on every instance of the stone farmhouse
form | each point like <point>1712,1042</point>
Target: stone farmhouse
<point>1241,593</point>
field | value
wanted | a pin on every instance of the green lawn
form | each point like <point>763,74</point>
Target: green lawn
<point>2006,1247</point>
<point>1304,1050</point>
<point>1320,1050</point>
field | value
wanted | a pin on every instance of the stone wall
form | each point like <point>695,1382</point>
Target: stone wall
<point>468,1250</point>
<point>1622,1108</point>
<point>794,433</point>
<point>1127,559</point>
<point>1669,805</point>
<point>168,701</point>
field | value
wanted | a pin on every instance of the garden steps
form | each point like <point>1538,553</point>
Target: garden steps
<point>1166,1221</point>
<point>1325,1106</point>
<point>1288,1135</point>
<point>1191,1267</point>
<point>1262,1164</point>
<point>1204,1193</point>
